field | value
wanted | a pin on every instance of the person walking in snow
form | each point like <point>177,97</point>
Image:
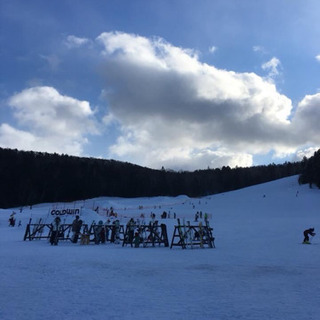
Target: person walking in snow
<point>55,227</point>
<point>306,234</point>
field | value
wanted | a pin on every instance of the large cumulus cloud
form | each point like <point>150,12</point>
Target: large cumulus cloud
<point>306,122</point>
<point>170,109</point>
<point>177,111</point>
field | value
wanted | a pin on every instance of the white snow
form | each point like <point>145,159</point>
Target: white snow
<point>259,269</point>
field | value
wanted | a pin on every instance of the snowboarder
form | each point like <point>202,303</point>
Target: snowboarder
<point>76,227</point>
<point>55,226</point>
<point>306,234</point>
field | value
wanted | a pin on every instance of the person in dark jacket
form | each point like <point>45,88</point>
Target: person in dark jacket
<point>130,230</point>
<point>99,233</point>
<point>55,227</point>
<point>76,227</point>
<point>12,220</point>
<point>306,234</point>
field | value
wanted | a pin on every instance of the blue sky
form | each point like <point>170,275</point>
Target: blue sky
<point>183,84</point>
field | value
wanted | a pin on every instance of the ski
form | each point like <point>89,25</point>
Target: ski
<point>190,235</point>
<point>183,244</point>
<point>209,235</point>
<point>201,234</point>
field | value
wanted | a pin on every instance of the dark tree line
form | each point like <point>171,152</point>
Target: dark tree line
<point>31,177</point>
<point>311,170</point>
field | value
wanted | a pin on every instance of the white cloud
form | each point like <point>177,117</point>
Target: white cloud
<point>259,49</point>
<point>272,67</point>
<point>212,49</point>
<point>75,42</point>
<point>13,138</point>
<point>307,118</point>
<point>308,152</point>
<point>48,121</point>
<point>175,110</point>
<point>171,110</point>
<point>318,57</point>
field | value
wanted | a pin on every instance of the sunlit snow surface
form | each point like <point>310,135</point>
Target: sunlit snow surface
<point>259,269</point>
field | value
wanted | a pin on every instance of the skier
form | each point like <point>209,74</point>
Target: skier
<point>55,231</point>
<point>306,234</point>
<point>76,227</point>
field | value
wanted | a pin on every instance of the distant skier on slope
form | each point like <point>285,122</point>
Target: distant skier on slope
<point>306,234</point>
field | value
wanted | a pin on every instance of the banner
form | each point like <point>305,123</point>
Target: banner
<point>64,211</point>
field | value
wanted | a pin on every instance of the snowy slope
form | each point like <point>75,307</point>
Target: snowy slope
<point>259,270</point>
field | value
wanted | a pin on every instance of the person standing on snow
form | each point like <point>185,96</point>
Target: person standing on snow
<point>99,233</point>
<point>76,227</point>
<point>55,226</point>
<point>306,234</point>
<point>130,230</point>
<point>12,220</point>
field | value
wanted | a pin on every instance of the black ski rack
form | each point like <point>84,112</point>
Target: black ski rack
<point>110,230</point>
<point>37,231</point>
<point>149,234</point>
<point>191,236</point>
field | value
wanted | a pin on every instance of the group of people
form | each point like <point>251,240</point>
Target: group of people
<point>101,232</point>
<point>199,215</point>
<point>12,220</point>
<point>56,226</point>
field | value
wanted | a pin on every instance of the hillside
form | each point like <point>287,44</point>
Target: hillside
<point>259,269</point>
<point>27,178</point>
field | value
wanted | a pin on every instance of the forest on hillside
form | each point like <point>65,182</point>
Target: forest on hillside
<point>28,178</point>
<point>311,170</point>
